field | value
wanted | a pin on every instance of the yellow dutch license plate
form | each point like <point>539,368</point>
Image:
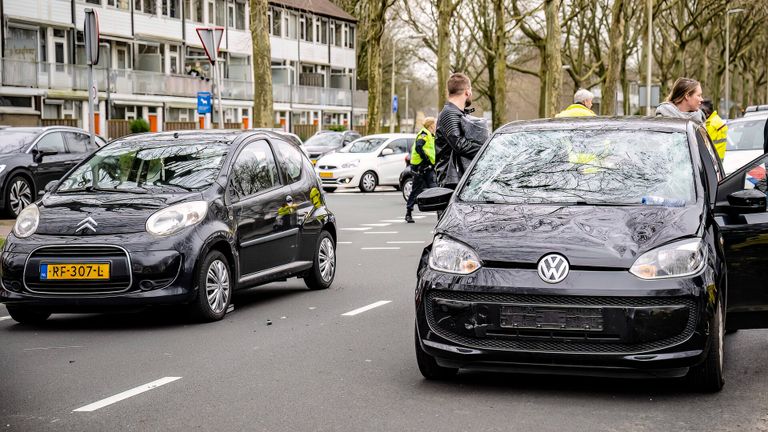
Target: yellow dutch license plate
<point>74,271</point>
<point>325,174</point>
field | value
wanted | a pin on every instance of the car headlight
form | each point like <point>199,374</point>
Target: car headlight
<point>177,217</point>
<point>351,164</point>
<point>683,258</point>
<point>451,256</point>
<point>27,221</point>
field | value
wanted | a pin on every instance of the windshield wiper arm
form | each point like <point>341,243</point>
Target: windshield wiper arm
<point>133,191</point>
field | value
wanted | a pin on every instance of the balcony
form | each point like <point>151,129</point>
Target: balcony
<point>55,76</point>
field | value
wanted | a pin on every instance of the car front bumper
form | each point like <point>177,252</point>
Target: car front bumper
<point>344,177</point>
<point>605,323</point>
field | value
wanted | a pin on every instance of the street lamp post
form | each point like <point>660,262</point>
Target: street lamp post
<point>728,59</point>
<point>649,65</point>
<point>407,83</point>
<point>392,94</point>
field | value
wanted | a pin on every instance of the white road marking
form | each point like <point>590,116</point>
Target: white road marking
<point>380,248</point>
<point>393,220</point>
<point>380,232</point>
<point>126,394</point>
<point>419,217</point>
<point>377,224</point>
<point>356,229</point>
<point>53,347</point>
<point>338,242</point>
<point>4,318</point>
<point>366,308</point>
<point>406,242</point>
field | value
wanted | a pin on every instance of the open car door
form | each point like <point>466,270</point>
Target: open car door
<point>743,222</point>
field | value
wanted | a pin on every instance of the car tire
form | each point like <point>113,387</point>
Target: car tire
<point>27,315</point>
<point>428,365</point>
<point>407,188</point>
<point>708,376</point>
<point>323,270</point>
<point>214,288</point>
<point>19,193</point>
<point>368,181</point>
<point>329,189</point>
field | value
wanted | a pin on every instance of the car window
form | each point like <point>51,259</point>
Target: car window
<point>399,145</point>
<point>703,137</point>
<point>52,142</point>
<point>746,135</point>
<point>14,141</point>
<point>363,145</point>
<point>254,170</point>
<point>567,167</point>
<point>77,142</point>
<point>290,159</point>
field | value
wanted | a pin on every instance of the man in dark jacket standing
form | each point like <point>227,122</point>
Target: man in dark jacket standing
<point>452,149</point>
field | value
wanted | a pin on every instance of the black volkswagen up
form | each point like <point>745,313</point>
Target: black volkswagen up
<point>594,246</point>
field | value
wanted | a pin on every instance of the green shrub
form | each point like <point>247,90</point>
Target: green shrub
<point>139,125</point>
<point>337,128</point>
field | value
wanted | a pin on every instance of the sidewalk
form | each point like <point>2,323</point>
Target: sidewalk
<point>6,225</point>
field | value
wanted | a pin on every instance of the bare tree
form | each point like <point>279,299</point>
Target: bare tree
<point>375,12</point>
<point>263,115</point>
<point>615,57</point>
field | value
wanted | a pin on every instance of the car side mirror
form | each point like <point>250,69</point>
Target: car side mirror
<point>387,152</point>
<point>435,199</point>
<point>747,201</point>
<point>37,155</point>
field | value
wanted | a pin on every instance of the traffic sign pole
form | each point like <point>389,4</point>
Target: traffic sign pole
<point>91,27</point>
<point>211,37</point>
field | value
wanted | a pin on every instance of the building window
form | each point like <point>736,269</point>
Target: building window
<point>150,58</point>
<point>277,28</point>
<point>96,2</point>
<point>351,37</point>
<point>211,15</point>
<point>324,31</point>
<point>306,29</point>
<point>175,60</point>
<point>290,21</point>
<point>221,13</point>
<point>171,8</point>
<point>240,15</point>
<point>338,37</point>
<point>146,6</point>
<point>42,36</point>
<point>120,4</point>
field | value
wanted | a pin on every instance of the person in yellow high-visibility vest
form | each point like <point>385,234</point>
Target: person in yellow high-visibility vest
<point>716,127</point>
<point>422,164</point>
<point>581,106</point>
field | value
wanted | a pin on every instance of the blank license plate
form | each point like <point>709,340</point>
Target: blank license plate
<point>326,174</point>
<point>74,271</point>
<point>552,318</point>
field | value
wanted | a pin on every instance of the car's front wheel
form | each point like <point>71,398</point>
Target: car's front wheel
<point>708,376</point>
<point>368,181</point>
<point>428,365</point>
<point>323,270</point>
<point>215,286</point>
<point>19,193</point>
<point>407,189</point>
<point>27,315</point>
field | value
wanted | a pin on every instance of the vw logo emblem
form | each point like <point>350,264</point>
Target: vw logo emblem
<point>553,268</point>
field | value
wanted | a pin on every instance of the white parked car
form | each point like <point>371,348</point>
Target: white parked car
<point>366,163</point>
<point>746,140</point>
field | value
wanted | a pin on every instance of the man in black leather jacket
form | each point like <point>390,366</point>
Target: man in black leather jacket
<point>453,152</point>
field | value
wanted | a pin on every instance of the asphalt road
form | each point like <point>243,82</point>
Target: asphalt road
<point>315,369</point>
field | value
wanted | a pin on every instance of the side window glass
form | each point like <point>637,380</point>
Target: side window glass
<point>77,142</point>
<point>52,142</point>
<point>254,170</point>
<point>290,160</point>
<point>399,146</point>
<point>705,142</point>
<point>756,176</point>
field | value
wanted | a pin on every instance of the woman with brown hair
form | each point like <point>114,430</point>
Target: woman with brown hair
<point>683,102</point>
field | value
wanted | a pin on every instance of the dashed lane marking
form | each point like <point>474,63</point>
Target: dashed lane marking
<point>393,220</point>
<point>380,248</point>
<point>406,242</point>
<point>3,318</point>
<point>380,232</point>
<point>356,229</point>
<point>366,308</point>
<point>376,224</point>
<point>126,394</point>
<point>338,242</point>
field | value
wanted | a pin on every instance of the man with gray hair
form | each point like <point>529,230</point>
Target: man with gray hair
<point>581,107</point>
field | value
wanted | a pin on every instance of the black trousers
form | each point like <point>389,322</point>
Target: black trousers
<point>422,179</point>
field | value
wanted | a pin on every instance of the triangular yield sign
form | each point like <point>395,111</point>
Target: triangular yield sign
<point>211,39</point>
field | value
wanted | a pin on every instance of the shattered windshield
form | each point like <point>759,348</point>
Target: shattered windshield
<point>583,167</point>
<point>149,167</point>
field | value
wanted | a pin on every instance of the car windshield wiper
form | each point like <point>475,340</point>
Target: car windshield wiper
<point>116,190</point>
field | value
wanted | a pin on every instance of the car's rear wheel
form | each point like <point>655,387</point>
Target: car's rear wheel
<point>323,270</point>
<point>27,315</point>
<point>368,181</point>
<point>19,193</point>
<point>428,365</point>
<point>214,285</point>
<point>708,376</point>
<point>407,188</point>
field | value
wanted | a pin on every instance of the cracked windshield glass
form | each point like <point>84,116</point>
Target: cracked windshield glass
<point>583,167</point>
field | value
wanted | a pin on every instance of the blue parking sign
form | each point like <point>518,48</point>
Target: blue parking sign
<point>394,104</point>
<point>203,102</point>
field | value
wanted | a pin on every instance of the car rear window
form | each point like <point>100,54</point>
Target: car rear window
<point>583,167</point>
<point>746,135</point>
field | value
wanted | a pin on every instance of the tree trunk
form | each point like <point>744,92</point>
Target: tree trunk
<point>444,14</point>
<point>499,89</point>
<point>263,112</point>
<point>375,24</point>
<point>554,63</point>
<point>615,51</point>
<point>542,81</point>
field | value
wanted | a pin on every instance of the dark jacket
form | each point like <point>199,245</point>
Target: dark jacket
<point>453,152</point>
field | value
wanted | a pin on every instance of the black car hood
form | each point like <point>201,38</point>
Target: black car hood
<point>64,214</point>
<point>589,236</point>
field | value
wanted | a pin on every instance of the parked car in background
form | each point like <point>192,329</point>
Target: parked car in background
<point>366,163</point>
<point>325,142</point>
<point>746,139</point>
<point>31,157</point>
<point>170,218</point>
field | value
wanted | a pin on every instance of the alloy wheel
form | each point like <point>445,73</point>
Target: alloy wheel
<point>369,182</point>
<point>217,286</point>
<point>407,189</point>
<point>20,196</point>
<point>327,259</point>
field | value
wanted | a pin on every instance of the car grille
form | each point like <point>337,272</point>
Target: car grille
<point>557,341</point>
<point>327,167</point>
<point>120,269</point>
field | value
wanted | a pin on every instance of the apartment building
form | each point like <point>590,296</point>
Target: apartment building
<point>152,63</point>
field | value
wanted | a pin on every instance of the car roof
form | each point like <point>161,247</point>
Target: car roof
<point>205,135</point>
<point>40,129</point>
<point>634,122</point>
<point>390,135</point>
